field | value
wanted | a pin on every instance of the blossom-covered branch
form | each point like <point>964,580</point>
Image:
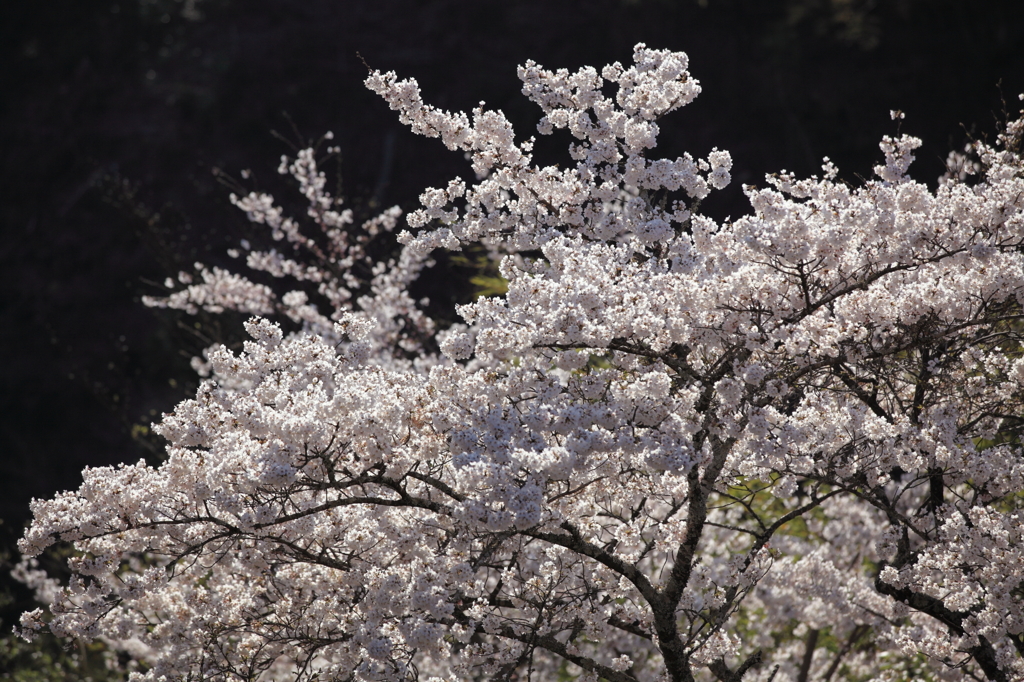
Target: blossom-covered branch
<point>338,259</point>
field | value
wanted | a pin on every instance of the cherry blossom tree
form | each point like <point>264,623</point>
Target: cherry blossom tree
<point>780,447</point>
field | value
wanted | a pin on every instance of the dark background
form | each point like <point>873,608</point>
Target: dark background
<point>114,113</point>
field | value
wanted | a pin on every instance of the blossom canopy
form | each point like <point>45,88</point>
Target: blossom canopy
<point>785,446</point>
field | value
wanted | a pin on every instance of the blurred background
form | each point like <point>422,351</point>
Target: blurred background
<point>117,115</point>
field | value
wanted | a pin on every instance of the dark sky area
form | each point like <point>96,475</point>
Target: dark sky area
<point>115,113</point>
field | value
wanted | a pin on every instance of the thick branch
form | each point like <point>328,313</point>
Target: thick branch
<point>722,672</point>
<point>805,663</point>
<point>983,653</point>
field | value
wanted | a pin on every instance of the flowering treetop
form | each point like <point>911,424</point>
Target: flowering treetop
<point>781,447</point>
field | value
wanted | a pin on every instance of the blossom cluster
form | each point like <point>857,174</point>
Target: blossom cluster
<point>780,447</point>
<point>338,265</point>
